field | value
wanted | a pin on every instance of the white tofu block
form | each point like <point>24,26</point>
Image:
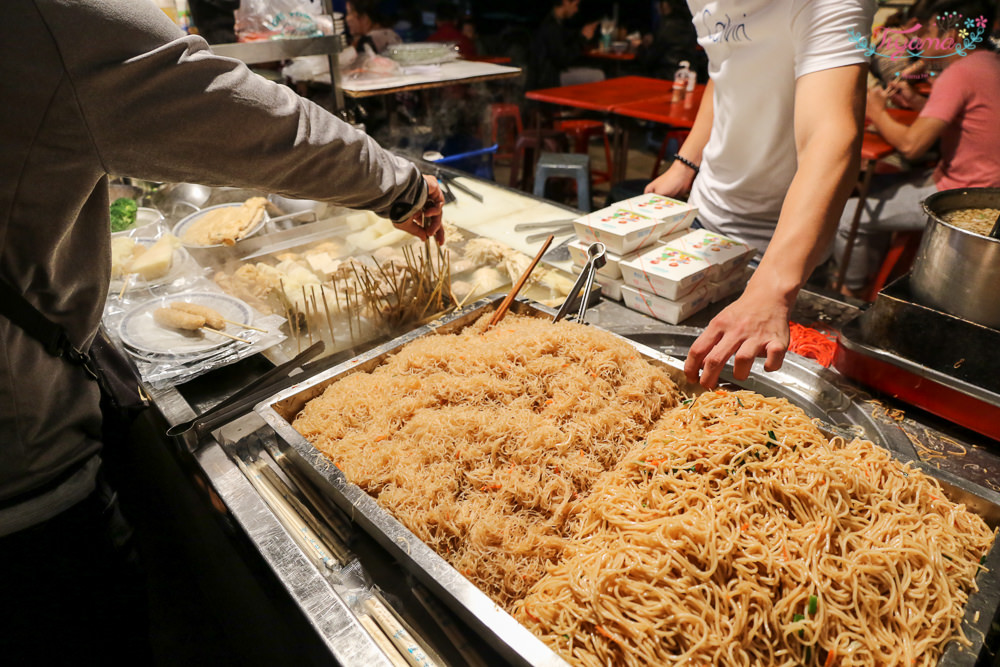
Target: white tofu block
<point>672,312</point>
<point>725,255</point>
<point>383,226</point>
<point>665,272</point>
<point>156,261</point>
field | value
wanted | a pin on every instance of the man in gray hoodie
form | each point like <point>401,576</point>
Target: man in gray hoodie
<point>100,87</point>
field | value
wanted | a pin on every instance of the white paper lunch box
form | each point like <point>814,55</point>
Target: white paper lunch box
<point>665,272</point>
<point>725,255</point>
<point>611,288</point>
<point>731,283</point>
<point>666,310</point>
<point>629,227</point>
<point>611,269</point>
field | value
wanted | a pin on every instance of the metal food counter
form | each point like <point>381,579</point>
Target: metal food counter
<point>321,580</point>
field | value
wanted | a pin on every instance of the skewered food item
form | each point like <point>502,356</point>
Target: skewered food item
<point>171,318</point>
<point>227,224</point>
<point>211,316</point>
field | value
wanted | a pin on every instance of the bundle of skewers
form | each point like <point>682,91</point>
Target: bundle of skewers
<point>349,301</point>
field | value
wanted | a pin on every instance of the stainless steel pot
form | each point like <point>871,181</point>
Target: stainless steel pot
<point>956,270</point>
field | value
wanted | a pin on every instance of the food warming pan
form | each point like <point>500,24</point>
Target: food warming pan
<point>508,637</point>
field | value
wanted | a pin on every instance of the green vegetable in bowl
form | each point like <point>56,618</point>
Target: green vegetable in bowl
<point>123,212</point>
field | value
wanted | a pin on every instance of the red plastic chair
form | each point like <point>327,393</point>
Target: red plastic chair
<point>509,113</point>
<point>580,132</point>
<point>902,251</point>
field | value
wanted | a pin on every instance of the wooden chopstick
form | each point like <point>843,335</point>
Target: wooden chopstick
<point>505,305</point>
<point>223,333</point>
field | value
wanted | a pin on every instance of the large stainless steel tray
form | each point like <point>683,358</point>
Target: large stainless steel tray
<point>512,640</point>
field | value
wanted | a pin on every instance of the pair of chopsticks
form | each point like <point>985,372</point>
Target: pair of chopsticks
<point>505,305</point>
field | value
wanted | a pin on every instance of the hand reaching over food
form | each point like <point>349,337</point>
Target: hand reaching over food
<point>426,222</point>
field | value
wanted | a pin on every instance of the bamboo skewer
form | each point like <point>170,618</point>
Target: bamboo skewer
<point>125,282</point>
<point>245,326</point>
<point>227,335</point>
<point>291,315</point>
<point>305,303</point>
<point>505,305</point>
<point>469,295</point>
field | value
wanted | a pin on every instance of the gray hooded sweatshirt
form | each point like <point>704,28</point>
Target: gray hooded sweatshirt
<point>98,87</point>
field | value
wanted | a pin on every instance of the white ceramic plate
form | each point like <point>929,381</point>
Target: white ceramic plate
<point>139,332</point>
<point>177,268</point>
<point>181,227</point>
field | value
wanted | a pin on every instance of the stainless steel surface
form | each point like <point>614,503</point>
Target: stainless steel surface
<point>334,622</point>
<point>952,351</point>
<point>551,225</point>
<point>956,270</point>
<point>191,432</point>
<point>854,340</point>
<point>817,390</point>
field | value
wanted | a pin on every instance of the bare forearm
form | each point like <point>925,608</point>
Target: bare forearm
<point>809,216</point>
<point>828,147</point>
<point>697,138</point>
<point>889,128</point>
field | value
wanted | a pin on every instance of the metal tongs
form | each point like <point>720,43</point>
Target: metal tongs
<point>596,258</point>
<point>448,180</point>
<point>191,432</point>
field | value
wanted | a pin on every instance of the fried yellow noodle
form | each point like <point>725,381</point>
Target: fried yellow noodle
<point>482,443</point>
<point>564,476</point>
<point>736,534</point>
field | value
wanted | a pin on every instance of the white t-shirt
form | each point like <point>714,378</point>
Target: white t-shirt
<point>757,49</point>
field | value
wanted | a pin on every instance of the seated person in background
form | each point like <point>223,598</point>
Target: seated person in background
<point>557,48</point>
<point>963,111</point>
<point>367,25</point>
<point>446,17</point>
<point>674,39</point>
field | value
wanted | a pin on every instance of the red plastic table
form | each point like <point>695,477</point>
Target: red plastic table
<point>604,97</point>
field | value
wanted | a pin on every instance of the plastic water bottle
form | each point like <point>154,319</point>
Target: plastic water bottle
<point>681,78</point>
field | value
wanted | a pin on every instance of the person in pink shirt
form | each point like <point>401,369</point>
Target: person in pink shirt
<point>962,113</point>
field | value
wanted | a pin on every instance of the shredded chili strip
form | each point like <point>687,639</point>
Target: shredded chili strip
<point>812,343</point>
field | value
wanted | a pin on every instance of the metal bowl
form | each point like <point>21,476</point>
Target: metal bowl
<point>956,270</point>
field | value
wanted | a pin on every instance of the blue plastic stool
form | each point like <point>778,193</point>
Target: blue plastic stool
<point>565,165</point>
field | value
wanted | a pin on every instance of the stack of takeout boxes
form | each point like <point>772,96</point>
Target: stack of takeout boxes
<point>676,279</point>
<point>627,228</point>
